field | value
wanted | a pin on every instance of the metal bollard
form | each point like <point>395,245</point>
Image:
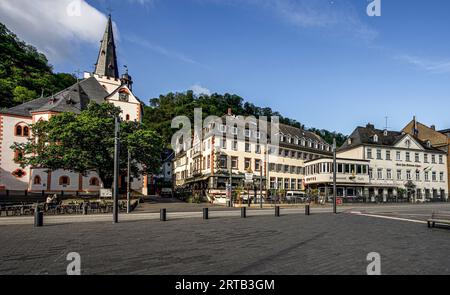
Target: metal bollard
<point>243,212</point>
<point>205,213</point>
<point>38,217</point>
<point>163,215</point>
<point>307,210</point>
<point>277,211</point>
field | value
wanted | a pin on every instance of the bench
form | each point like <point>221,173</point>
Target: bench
<point>439,218</point>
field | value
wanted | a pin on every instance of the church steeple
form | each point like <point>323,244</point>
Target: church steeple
<point>107,58</point>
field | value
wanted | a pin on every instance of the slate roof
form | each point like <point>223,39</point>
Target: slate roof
<point>72,99</point>
<point>300,133</point>
<point>286,130</point>
<point>365,135</point>
<point>283,128</point>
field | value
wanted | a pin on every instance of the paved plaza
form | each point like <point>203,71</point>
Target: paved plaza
<point>261,244</point>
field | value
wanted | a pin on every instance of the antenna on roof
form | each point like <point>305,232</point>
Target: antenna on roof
<point>387,125</point>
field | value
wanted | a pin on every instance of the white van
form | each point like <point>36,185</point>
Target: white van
<point>293,196</point>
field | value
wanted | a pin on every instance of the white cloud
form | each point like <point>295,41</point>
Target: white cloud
<point>199,90</point>
<point>57,28</point>
<point>432,66</point>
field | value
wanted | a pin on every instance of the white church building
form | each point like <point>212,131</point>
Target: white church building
<point>104,85</point>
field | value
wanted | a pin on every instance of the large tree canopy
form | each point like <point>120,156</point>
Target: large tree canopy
<point>85,142</point>
<point>25,73</point>
<point>162,110</point>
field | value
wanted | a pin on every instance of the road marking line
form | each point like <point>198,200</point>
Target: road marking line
<point>392,218</point>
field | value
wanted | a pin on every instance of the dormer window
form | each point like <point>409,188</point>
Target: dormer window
<point>385,133</point>
<point>428,144</point>
<point>375,138</point>
<point>349,141</point>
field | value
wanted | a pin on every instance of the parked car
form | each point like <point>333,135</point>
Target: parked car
<point>295,197</point>
<point>166,193</point>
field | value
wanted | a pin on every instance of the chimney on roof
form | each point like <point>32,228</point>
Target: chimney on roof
<point>229,113</point>
<point>433,127</point>
<point>370,126</point>
<point>415,127</point>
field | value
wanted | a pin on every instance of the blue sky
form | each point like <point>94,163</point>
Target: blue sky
<point>324,63</point>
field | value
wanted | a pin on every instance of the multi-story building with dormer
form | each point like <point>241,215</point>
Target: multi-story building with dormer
<point>382,165</point>
<point>236,149</point>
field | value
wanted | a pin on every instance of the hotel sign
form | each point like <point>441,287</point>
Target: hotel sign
<point>106,193</point>
<point>408,165</point>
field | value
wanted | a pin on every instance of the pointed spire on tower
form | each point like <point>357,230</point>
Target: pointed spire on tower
<point>107,58</point>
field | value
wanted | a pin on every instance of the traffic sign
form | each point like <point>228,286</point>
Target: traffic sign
<point>248,177</point>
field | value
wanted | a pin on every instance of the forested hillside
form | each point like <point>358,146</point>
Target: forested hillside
<point>25,73</point>
<point>163,109</point>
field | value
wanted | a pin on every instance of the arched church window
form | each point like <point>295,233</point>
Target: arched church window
<point>21,129</point>
<point>18,155</point>
<point>64,180</point>
<point>94,181</point>
<point>18,130</point>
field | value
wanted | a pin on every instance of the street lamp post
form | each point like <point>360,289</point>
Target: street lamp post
<point>266,157</point>
<point>334,177</point>
<point>231,182</point>
<point>260,187</point>
<point>128,182</point>
<point>116,171</point>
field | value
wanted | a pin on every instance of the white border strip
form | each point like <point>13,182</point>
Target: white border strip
<point>389,217</point>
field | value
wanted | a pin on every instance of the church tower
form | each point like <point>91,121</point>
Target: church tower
<point>107,59</point>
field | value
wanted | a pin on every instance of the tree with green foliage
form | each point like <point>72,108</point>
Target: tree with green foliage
<point>328,136</point>
<point>25,73</point>
<point>85,142</point>
<point>158,116</point>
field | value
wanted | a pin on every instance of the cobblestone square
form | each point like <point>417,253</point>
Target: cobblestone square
<point>291,244</point>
